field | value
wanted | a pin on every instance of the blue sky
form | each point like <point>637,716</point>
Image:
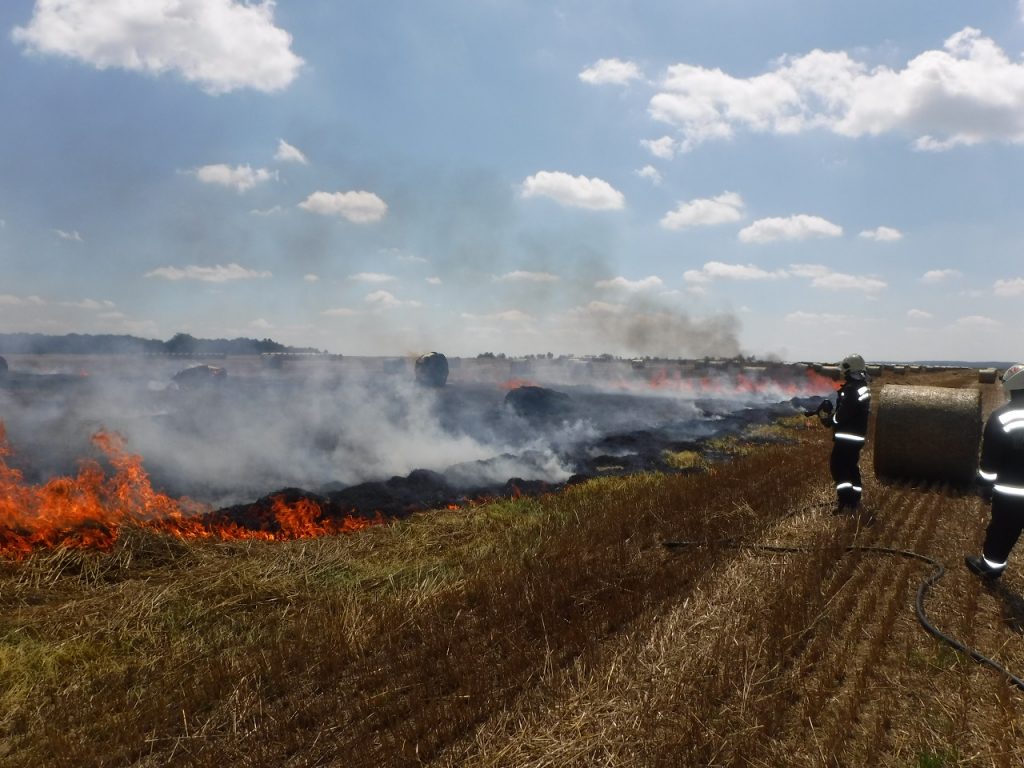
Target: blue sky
<point>794,179</point>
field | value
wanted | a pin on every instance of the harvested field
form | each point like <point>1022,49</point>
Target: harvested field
<point>555,631</point>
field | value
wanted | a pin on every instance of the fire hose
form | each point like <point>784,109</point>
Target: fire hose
<point>937,573</point>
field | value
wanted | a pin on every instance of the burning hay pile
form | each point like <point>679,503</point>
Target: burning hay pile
<point>929,433</point>
<point>92,509</point>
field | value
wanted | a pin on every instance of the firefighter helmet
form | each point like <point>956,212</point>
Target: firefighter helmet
<point>854,364</point>
<point>1013,378</point>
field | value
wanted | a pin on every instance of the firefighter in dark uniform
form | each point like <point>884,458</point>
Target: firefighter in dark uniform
<point>1001,475</point>
<point>849,424</point>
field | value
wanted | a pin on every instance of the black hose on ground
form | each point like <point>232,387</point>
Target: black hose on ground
<point>922,590</point>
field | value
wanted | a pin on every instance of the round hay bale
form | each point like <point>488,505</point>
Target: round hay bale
<point>199,376</point>
<point>831,371</point>
<point>987,376</point>
<point>928,433</point>
<point>432,370</point>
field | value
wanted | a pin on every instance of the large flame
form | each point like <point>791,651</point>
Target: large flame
<point>90,509</point>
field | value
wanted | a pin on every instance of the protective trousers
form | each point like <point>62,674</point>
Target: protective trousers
<point>1004,528</point>
<point>844,465</point>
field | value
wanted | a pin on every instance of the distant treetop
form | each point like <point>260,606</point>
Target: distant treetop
<point>108,344</point>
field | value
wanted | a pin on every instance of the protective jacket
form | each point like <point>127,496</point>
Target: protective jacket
<point>853,407</point>
<point>1002,450</point>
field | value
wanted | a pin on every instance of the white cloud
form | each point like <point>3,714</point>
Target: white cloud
<point>650,172</point>
<point>359,207</point>
<point>719,270</point>
<point>613,71</point>
<point>1012,287</point>
<point>816,318</point>
<point>10,300</point>
<point>603,307</point>
<point>311,278</point>
<point>91,305</point>
<point>385,300</point>
<point>341,312</point>
<point>976,321</point>
<point>882,234</point>
<point>261,324</point>
<point>798,227</point>
<point>575,191</point>
<point>286,153</point>
<point>621,283</point>
<point>919,314</point>
<point>242,178</point>
<point>664,148</point>
<point>371,277</point>
<point>938,275</point>
<point>725,208</point>
<point>410,258</point>
<point>267,211</point>
<point>72,235</point>
<point>222,45</point>
<point>823,277</point>
<point>508,316</point>
<point>519,276</point>
<point>966,93</point>
<point>215,274</point>
<point>434,280</point>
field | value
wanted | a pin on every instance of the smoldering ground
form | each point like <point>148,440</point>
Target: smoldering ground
<point>325,425</point>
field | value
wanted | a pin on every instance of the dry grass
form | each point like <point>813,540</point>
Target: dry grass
<point>550,631</point>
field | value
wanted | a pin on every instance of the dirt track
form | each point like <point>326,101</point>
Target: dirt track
<point>796,659</point>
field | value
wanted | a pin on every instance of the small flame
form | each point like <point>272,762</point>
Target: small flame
<point>507,386</point>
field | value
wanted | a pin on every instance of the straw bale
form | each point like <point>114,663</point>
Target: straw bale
<point>874,370</point>
<point>928,433</point>
<point>987,376</point>
<point>899,369</point>
<point>831,371</point>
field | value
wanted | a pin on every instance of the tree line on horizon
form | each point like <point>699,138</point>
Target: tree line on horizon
<point>113,344</point>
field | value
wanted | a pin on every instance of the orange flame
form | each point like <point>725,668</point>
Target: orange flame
<point>511,384</point>
<point>90,509</point>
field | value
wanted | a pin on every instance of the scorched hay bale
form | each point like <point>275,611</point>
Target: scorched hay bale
<point>432,370</point>
<point>928,433</point>
<point>987,376</point>
<point>199,376</point>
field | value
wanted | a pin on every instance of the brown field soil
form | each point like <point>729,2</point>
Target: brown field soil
<point>555,631</point>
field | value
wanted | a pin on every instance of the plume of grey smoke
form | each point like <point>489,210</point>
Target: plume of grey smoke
<point>235,440</point>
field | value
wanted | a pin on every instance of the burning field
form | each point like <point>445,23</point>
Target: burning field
<point>308,448</point>
<point>544,630</point>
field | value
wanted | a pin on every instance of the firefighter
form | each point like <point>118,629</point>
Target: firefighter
<point>1001,478</point>
<point>849,424</point>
